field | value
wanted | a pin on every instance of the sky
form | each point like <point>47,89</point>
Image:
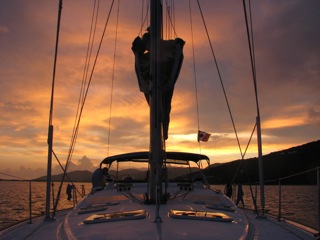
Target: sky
<point>286,46</point>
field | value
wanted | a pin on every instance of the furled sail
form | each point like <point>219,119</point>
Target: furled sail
<point>171,62</point>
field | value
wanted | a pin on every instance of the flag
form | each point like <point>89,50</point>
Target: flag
<point>203,136</point>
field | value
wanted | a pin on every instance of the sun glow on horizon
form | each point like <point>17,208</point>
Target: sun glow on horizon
<point>288,94</point>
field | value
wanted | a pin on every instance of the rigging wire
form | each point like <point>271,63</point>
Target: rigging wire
<point>144,20</point>
<point>251,50</point>
<point>60,164</point>
<point>84,80</point>
<point>112,78</point>
<point>194,71</point>
<point>167,27</point>
<point>55,64</point>
<point>252,58</point>
<point>95,15</point>
<point>230,113</point>
<point>50,126</point>
<point>253,67</point>
<point>84,99</point>
<point>93,68</point>
<point>92,34</point>
<point>220,78</point>
<point>171,17</point>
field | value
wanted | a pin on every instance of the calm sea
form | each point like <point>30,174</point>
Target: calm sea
<point>299,203</point>
<point>14,199</point>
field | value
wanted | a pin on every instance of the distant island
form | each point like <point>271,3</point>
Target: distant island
<point>276,165</point>
<point>74,176</point>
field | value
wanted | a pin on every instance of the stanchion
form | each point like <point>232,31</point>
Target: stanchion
<point>279,208</point>
<point>30,203</point>
<point>318,184</point>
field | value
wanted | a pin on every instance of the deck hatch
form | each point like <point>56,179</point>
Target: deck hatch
<point>116,216</point>
<point>200,215</point>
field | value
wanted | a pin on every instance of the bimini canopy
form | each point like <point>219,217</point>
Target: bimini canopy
<point>170,157</point>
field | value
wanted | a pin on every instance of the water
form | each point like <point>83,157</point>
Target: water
<point>14,200</point>
<point>299,203</point>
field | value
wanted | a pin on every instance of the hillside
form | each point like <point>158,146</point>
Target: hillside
<point>276,165</point>
<point>138,175</point>
<point>75,176</point>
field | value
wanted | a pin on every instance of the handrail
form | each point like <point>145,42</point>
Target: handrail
<point>30,193</point>
<point>29,206</point>
<point>280,192</point>
<point>318,194</point>
<point>292,175</point>
<point>279,210</point>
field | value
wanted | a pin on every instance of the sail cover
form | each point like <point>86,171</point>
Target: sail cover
<point>171,62</point>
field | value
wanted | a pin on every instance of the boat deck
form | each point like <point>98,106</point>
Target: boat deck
<point>71,224</point>
<point>270,228</point>
<point>263,229</point>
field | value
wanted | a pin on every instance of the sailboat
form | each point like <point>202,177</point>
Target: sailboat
<point>167,196</point>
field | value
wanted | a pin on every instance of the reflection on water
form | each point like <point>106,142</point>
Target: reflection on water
<point>298,203</point>
<point>14,200</point>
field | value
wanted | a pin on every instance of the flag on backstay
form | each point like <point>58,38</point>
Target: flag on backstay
<point>203,136</point>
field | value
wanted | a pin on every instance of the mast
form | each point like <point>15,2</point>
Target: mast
<point>155,100</point>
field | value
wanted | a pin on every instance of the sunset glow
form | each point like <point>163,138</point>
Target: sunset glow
<point>287,54</point>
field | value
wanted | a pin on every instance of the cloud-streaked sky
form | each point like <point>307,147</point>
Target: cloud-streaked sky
<point>287,50</point>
